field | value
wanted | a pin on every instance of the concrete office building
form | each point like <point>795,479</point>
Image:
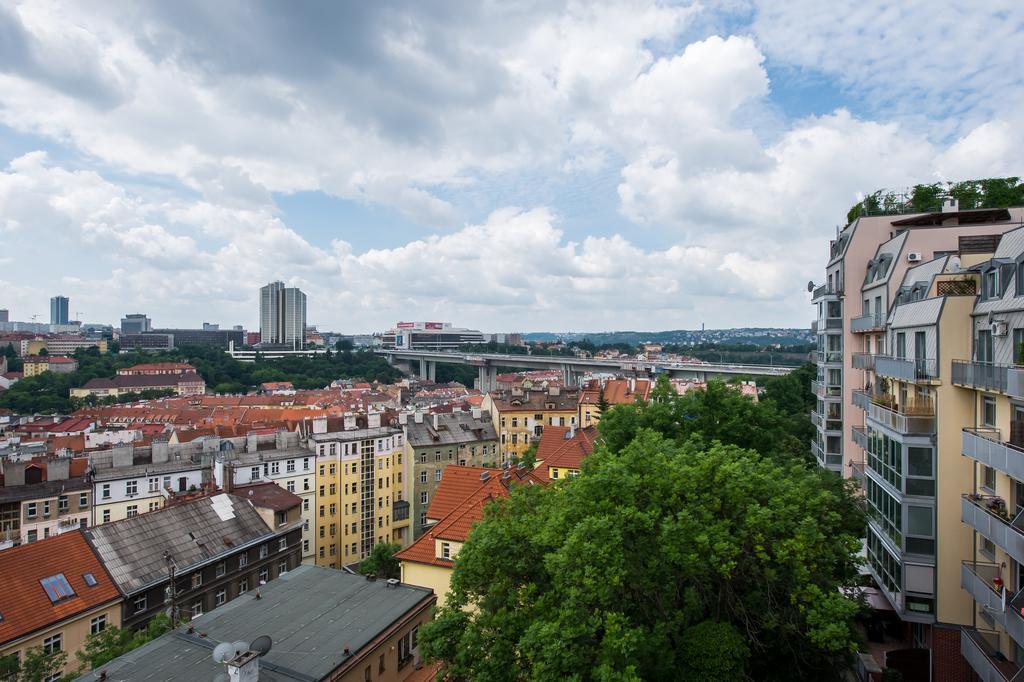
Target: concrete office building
<point>429,336</point>
<point>894,337</point>
<point>282,315</point>
<point>59,310</point>
<point>135,323</point>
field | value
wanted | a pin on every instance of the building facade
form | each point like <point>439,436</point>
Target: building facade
<point>59,310</point>
<point>436,441</point>
<point>361,493</point>
<point>429,336</point>
<point>135,323</point>
<point>282,316</point>
<point>520,415</point>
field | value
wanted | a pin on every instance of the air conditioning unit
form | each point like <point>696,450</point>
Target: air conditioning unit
<point>1000,328</point>
<point>914,257</point>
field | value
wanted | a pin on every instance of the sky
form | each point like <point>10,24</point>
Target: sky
<point>507,166</point>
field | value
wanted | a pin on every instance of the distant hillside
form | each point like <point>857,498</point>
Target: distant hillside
<point>752,335</point>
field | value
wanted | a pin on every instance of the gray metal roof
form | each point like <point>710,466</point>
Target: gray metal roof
<point>925,271</point>
<point>193,532</point>
<point>311,614</point>
<point>1011,244</point>
<point>140,470</point>
<point>917,314</point>
<point>1010,247</point>
<point>453,428</point>
<point>270,455</point>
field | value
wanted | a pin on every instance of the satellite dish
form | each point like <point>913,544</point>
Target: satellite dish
<point>240,647</point>
<point>810,286</point>
<point>261,645</point>
<point>223,652</point>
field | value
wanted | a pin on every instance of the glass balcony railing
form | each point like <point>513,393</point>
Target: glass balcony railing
<point>830,356</point>
<point>828,460</point>
<point>903,369</point>
<point>866,323</point>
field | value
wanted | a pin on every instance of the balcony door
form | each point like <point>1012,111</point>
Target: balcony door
<point>901,345</point>
<point>920,354</point>
<point>983,351</point>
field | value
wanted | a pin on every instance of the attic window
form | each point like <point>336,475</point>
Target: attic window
<point>90,579</point>
<point>57,588</point>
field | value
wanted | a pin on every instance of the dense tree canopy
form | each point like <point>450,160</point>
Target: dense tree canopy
<point>696,544</point>
<point>381,562</point>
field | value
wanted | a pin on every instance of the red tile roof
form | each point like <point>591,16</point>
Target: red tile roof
<point>557,449</point>
<point>23,601</point>
<point>618,392</point>
<point>457,483</point>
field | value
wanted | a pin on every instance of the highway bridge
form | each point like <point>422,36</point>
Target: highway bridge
<point>571,367</point>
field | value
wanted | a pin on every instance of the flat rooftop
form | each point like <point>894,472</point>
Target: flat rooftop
<point>311,614</point>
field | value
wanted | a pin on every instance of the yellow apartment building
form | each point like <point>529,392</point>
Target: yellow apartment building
<point>520,415</point>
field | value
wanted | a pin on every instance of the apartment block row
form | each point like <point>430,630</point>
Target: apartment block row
<point>920,397</point>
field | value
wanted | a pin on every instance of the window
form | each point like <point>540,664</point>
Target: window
<point>254,473</point>
<point>57,588</point>
<point>424,497</point>
<point>988,475</point>
<point>305,546</point>
<point>197,580</point>
<point>106,516</point>
<point>30,510</point>
<point>282,544</point>
<point>275,467</point>
<point>105,491</point>
<point>366,675</point>
<point>264,551</point>
<point>167,482</point>
<point>132,510</point>
<point>243,560</point>
<point>446,550</point>
<point>437,475</point>
<point>243,586</point>
<point>221,596</point>
<point>282,567</point>
<point>46,508</point>
<point>54,644</point>
<point>305,505</point>
<point>131,488</point>
<point>305,464</point>
<point>988,411</point>
<point>221,569</point>
<point>264,576</point>
<point>289,466</point>
<point>197,608</point>
<point>984,351</point>
<point>290,486</point>
<point>154,485</point>
<point>97,625</point>
<point>423,476</point>
<point>90,579</point>
<point>140,604</point>
<point>380,664</point>
<point>83,499</point>
<point>154,505</point>
<point>62,503</point>
<point>901,345</point>
<point>423,518</point>
<point>990,284</point>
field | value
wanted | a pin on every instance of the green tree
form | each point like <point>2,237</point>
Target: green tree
<point>37,665</point>
<point>112,642</point>
<point>663,559</point>
<point>381,562</point>
<point>602,402</point>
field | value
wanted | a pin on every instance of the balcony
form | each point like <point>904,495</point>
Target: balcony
<point>814,326</point>
<point>823,390</point>
<point>916,418</point>
<point>863,360</point>
<point>825,290</point>
<point>863,398</point>
<point>988,516</point>
<point>834,324</point>
<point>830,357</point>
<point>866,323</point>
<point>902,369</point>
<point>1008,379</point>
<point>828,460</point>
<point>400,510</point>
<point>985,659</point>
<point>860,436</point>
<point>857,472</point>
<point>979,580</point>
<point>817,420</point>
<point>985,446</point>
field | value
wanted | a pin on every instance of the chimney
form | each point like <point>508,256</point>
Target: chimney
<point>251,442</point>
<point>281,439</point>
<point>632,384</point>
<point>229,478</point>
<point>950,205</point>
<point>417,417</point>
<point>319,425</point>
<point>123,456</point>
<point>477,412</point>
<point>349,423</point>
<point>57,469</point>
<point>245,667</point>
<point>554,390</point>
<point>436,421</point>
<point>373,421</point>
<point>403,419</point>
<point>14,473</point>
<point>161,451</point>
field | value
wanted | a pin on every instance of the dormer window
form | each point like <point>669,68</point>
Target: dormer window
<point>990,284</point>
<point>1020,278</point>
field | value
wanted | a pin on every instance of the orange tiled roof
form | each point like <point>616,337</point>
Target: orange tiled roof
<point>23,601</point>
<point>457,483</point>
<point>618,392</point>
<point>556,450</point>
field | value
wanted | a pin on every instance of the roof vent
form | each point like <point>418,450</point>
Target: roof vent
<point>484,475</point>
<point>394,582</point>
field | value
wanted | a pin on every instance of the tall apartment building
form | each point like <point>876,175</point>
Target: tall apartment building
<point>893,324</point>
<point>361,493</point>
<point>59,310</point>
<point>282,315</point>
<point>520,415</point>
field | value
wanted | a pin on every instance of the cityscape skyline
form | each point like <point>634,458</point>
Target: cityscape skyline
<point>687,176</point>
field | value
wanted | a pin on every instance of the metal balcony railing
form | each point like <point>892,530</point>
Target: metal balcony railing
<point>985,446</point>
<point>984,581</point>
<point>830,356</point>
<point>1008,379</point>
<point>863,360</point>
<point>985,659</point>
<point>866,323</point>
<point>857,471</point>
<point>903,369</point>
<point>917,418</point>
<point>860,436</point>
<point>988,516</point>
<point>862,398</point>
<point>826,290</point>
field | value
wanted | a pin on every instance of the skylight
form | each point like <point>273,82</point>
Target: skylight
<point>57,588</point>
<point>90,579</point>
